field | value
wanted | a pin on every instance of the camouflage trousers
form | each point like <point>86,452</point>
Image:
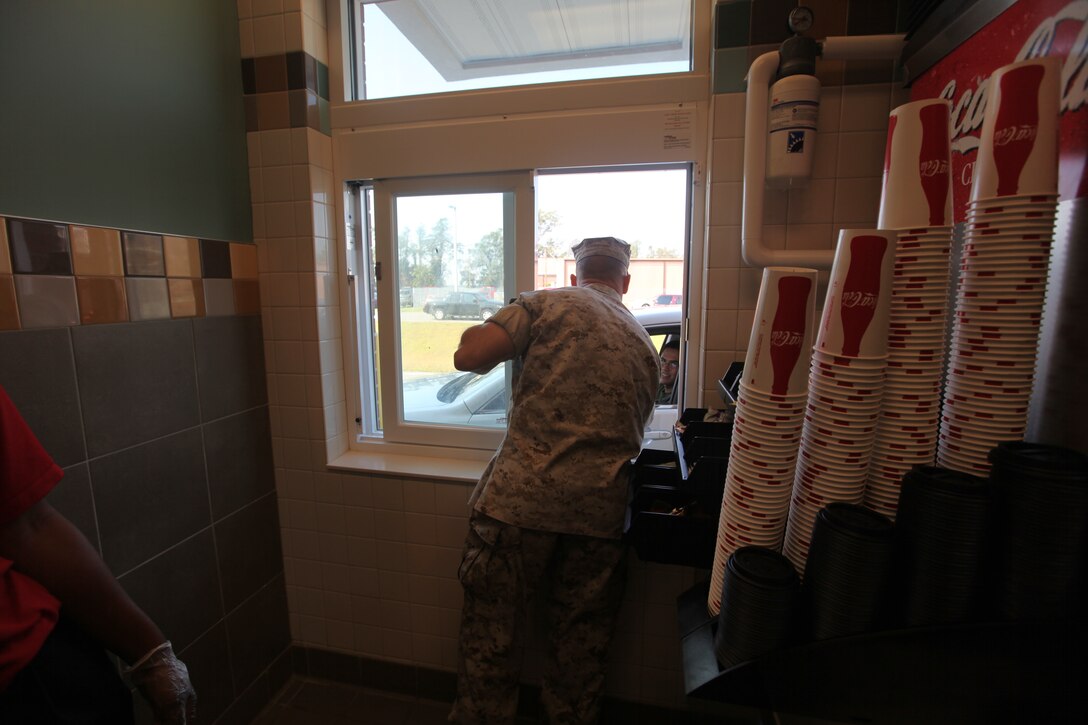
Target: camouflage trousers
<point>502,566</point>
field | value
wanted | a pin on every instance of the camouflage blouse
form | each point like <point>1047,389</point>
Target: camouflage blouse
<point>585,378</point>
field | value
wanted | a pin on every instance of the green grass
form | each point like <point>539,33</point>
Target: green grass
<point>428,346</point>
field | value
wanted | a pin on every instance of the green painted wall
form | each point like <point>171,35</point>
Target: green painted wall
<point>124,113</point>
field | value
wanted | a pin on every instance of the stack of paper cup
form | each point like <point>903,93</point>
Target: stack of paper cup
<point>846,381</point>
<point>1003,271</point>
<point>917,203</point>
<point>767,423</point>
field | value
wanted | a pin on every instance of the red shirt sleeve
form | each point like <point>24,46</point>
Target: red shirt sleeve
<point>28,612</point>
<point>27,472</point>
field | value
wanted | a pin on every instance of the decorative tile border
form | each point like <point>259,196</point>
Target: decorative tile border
<point>58,275</point>
<point>286,91</point>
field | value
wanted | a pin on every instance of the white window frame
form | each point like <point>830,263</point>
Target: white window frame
<point>596,123</point>
<point>519,230</point>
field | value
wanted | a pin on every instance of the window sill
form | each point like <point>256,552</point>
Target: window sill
<point>431,464</point>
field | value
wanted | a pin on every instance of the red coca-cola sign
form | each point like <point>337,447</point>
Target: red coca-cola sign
<point>1057,28</point>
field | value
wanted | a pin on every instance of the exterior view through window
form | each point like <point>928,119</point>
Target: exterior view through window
<point>455,261</point>
<point>413,47</point>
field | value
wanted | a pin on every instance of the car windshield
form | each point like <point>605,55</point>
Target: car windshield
<point>481,400</point>
<point>459,386</point>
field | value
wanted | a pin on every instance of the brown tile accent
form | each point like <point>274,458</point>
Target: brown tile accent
<point>96,252</point>
<point>46,300</point>
<point>296,101</point>
<point>9,310</point>
<point>148,298</point>
<point>270,73</point>
<point>5,254</point>
<point>186,297</point>
<point>101,299</point>
<point>143,255</point>
<point>39,247</point>
<point>214,259</point>
<point>247,297</point>
<point>273,111</point>
<point>182,256</point>
<point>243,261</point>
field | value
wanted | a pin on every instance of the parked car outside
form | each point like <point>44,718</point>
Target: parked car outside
<point>462,304</point>
<point>480,400</point>
<point>405,296</point>
<point>664,300</point>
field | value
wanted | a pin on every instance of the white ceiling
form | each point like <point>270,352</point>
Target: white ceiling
<point>476,38</point>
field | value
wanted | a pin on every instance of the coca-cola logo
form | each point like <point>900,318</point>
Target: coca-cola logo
<point>968,109</point>
<point>936,167</point>
<point>1005,136</point>
<point>786,338</point>
<point>858,299</point>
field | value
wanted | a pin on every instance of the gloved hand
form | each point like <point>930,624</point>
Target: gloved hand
<point>163,680</point>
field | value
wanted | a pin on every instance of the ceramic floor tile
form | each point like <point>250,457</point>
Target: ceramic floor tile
<point>101,299</point>
<point>143,255</point>
<point>95,251</point>
<point>46,300</point>
<point>9,310</point>
<point>186,297</point>
<point>148,298</point>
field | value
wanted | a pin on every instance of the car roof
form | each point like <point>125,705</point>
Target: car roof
<point>656,317</point>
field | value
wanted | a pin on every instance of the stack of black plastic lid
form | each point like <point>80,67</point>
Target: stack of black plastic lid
<point>941,546</point>
<point>847,572</point>
<point>1040,531</point>
<point>758,615</point>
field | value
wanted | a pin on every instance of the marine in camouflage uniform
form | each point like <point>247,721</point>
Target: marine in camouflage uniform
<point>549,509</point>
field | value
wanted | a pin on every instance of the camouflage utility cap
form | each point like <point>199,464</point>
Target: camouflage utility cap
<point>603,247</point>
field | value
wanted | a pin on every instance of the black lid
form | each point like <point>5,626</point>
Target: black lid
<point>1040,458</point>
<point>946,480</point>
<point>762,566</point>
<point>855,519</point>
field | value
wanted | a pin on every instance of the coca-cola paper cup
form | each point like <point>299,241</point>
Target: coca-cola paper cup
<point>917,190</point>
<point>855,316</point>
<point>782,332</point>
<point>1018,149</point>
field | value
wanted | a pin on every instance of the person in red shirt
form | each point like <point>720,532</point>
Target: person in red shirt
<point>59,605</point>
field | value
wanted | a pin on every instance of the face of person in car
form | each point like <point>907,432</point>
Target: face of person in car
<point>670,365</point>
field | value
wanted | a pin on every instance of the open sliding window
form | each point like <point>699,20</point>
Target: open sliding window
<point>433,256</point>
<point>441,254</point>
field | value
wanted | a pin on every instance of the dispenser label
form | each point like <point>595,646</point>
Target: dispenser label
<point>793,115</point>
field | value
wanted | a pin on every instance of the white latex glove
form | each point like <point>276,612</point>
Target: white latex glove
<point>163,680</point>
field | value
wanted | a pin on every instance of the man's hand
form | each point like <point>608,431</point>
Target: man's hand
<point>163,680</point>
